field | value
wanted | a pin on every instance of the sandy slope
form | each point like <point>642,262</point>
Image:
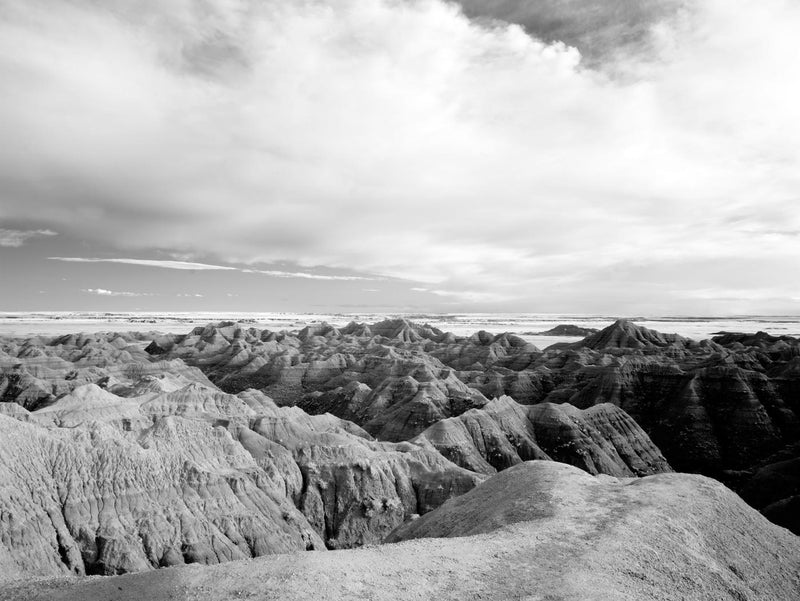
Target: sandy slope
<point>548,531</point>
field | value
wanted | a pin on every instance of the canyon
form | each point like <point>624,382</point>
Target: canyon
<point>128,452</point>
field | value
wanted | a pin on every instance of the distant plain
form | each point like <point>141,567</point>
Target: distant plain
<point>527,325</point>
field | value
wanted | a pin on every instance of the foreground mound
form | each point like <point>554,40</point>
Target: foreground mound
<point>542,530</point>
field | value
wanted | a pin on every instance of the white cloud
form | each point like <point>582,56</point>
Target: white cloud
<point>309,276</point>
<point>104,292</point>
<point>16,238</point>
<point>465,296</point>
<point>401,138</point>
<point>182,265</point>
<point>468,296</point>
<point>185,265</point>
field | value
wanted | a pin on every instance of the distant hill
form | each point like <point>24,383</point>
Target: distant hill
<point>568,330</point>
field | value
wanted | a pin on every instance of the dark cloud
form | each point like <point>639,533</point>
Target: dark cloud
<point>600,29</point>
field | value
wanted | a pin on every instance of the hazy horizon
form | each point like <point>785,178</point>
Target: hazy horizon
<point>599,315</point>
<point>530,326</point>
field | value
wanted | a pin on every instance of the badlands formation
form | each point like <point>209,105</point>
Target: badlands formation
<point>510,472</point>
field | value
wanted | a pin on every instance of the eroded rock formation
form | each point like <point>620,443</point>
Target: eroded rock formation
<point>601,439</point>
<point>132,451</point>
<point>100,483</point>
<point>539,530</point>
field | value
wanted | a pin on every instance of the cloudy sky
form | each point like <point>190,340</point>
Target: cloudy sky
<point>585,156</point>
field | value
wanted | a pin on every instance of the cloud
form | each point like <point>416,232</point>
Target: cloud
<point>600,29</point>
<point>310,276</point>
<point>404,139</point>
<point>104,292</point>
<point>16,238</point>
<point>185,265</point>
<point>465,296</point>
<point>182,265</point>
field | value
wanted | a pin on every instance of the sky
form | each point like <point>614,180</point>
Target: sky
<point>567,156</point>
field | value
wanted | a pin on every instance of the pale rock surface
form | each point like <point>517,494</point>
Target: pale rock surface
<point>90,500</point>
<point>727,408</point>
<point>96,483</point>
<point>539,530</point>
<point>601,439</point>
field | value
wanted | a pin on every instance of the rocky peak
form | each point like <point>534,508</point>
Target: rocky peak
<point>626,334</point>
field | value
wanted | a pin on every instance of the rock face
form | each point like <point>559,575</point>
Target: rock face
<point>98,483</point>
<point>91,501</point>
<point>601,439</point>
<point>726,407</point>
<point>34,372</point>
<point>774,486</point>
<point>398,406</point>
<point>262,442</point>
<point>625,334</point>
<point>719,407</point>
<point>381,376</point>
<point>539,530</point>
